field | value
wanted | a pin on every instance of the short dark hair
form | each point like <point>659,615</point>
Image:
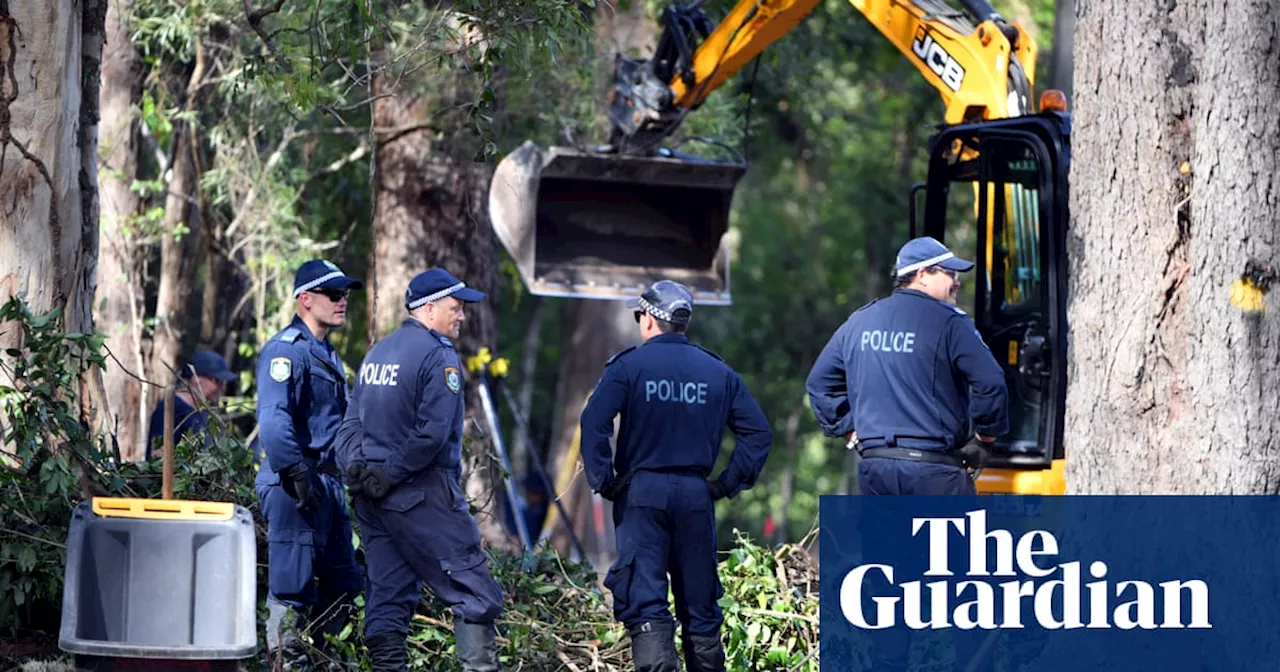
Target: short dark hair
<point>670,327</point>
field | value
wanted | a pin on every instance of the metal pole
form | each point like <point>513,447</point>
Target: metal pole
<point>492,416</point>
<point>541,469</point>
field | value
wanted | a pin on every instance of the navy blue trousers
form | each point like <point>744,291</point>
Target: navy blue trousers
<point>423,532</point>
<point>311,560</point>
<point>883,476</point>
<point>666,526</point>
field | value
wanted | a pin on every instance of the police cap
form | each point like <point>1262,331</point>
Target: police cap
<point>209,364</point>
<point>436,284</point>
<point>924,252</point>
<point>319,274</point>
<point>666,300</point>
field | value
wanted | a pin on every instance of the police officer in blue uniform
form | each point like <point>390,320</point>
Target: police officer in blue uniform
<point>403,466</point>
<point>302,396</point>
<point>908,380</point>
<point>908,375</point>
<point>675,399</point>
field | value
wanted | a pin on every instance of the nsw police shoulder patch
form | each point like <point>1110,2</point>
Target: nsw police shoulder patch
<point>452,379</point>
<point>280,369</point>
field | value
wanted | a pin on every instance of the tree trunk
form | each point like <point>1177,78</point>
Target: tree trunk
<point>119,309</point>
<point>429,210</point>
<point>48,187</point>
<point>50,58</point>
<point>523,442</point>
<point>181,233</point>
<point>1175,191</point>
<point>1060,59</point>
<point>786,480</point>
<point>600,328</point>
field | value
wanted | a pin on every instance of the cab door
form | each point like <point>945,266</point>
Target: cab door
<point>996,194</point>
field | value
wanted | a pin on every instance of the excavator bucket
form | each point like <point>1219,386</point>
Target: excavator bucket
<point>603,226</point>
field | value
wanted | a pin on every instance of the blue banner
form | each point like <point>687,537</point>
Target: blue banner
<point>1003,583</point>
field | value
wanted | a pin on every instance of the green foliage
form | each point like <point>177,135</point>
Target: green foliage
<point>48,450</point>
<point>556,614</point>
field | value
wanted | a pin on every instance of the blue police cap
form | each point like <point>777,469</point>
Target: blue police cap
<point>436,284</point>
<point>666,300</point>
<point>322,274</point>
<point>211,364</point>
<point>924,252</point>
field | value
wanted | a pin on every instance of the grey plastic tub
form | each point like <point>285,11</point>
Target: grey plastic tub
<point>160,579</point>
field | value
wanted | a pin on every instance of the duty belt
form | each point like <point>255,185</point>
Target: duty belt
<point>912,455</point>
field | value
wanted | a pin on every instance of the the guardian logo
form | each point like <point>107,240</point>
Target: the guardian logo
<point>1033,556</point>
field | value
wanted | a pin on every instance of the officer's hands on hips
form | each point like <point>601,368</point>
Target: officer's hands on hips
<point>718,491</point>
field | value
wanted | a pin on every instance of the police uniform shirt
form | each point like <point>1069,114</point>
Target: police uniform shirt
<point>911,366</point>
<point>302,396</point>
<point>675,400</point>
<point>409,393</point>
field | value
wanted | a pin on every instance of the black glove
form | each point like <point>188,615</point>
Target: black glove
<point>718,490</point>
<point>372,482</point>
<point>611,489</point>
<point>974,454</point>
<point>296,482</point>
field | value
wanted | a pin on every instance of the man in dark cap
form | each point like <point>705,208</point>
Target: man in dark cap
<point>302,396</point>
<point>200,382</point>
<point>675,399</point>
<point>908,380</point>
<point>401,451</point>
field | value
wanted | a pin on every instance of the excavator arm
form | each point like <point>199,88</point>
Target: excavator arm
<point>603,222</point>
<point>981,64</point>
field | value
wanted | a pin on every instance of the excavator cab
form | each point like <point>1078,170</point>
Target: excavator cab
<point>997,194</point>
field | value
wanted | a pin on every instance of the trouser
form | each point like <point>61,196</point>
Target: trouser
<point>423,532</point>
<point>882,476</point>
<point>665,526</point>
<point>311,563</point>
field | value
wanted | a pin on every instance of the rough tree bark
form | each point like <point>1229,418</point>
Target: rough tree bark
<point>178,251</point>
<point>49,71</point>
<point>429,210</point>
<point>1175,191</point>
<point>600,328</point>
<point>48,145</point>
<point>118,306</point>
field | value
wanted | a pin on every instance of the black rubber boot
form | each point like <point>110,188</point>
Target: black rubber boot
<point>703,653</point>
<point>386,653</point>
<point>653,647</point>
<point>477,646</point>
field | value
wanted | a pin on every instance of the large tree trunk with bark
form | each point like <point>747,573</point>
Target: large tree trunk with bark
<point>1175,194</point>
<point>48,163</point>
<point>429,210</point>
<point>181,232</point>
<point>600,328</point>
<point>49,72</point>
<point>118,306</point>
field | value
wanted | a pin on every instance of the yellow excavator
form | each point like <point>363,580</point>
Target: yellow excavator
<point>603,222</point>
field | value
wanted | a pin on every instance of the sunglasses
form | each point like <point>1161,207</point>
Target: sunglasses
<point>334,295</point>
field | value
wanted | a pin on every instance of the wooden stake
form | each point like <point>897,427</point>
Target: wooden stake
<point>168,442</point>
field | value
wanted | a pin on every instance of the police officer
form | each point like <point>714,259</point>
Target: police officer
<point>903,379</point>
<point>404,476</point>
<point>908,374</point>
<point>675,399</point>
<point>302,396</point>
